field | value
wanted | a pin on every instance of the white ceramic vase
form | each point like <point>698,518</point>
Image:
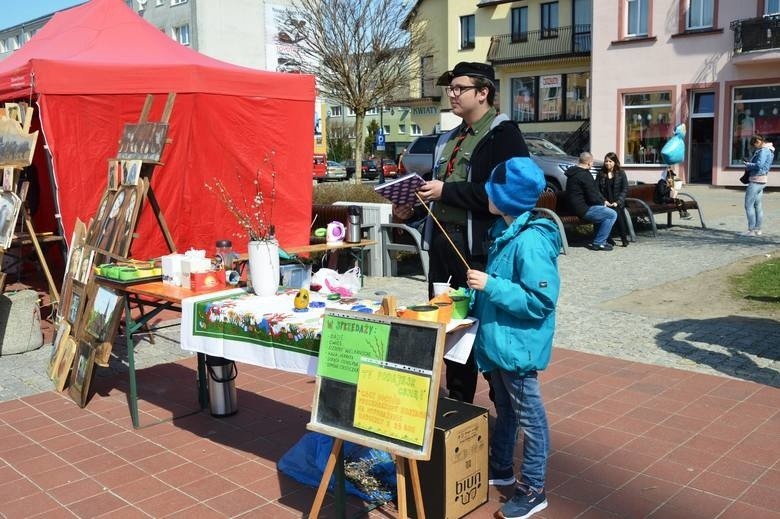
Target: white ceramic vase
<point>264,266</point>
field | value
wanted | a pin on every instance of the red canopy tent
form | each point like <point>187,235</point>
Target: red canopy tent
<point>90,68</point>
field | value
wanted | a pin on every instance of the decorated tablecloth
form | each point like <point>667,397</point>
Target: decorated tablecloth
<point>268,332</point>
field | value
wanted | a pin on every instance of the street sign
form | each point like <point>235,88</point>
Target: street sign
<point>380,141</point>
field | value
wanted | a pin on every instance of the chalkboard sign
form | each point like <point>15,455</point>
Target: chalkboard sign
<point>378,381</point>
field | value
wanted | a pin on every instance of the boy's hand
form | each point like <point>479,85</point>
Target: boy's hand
<point>476,279</point>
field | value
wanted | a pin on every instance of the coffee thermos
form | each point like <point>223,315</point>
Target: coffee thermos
<point>354,221</point>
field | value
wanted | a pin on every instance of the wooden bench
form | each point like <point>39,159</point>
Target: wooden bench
<point>554,205</point>
<point>640,203</point>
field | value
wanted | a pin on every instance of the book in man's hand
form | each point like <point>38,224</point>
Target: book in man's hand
<point>401,191</point>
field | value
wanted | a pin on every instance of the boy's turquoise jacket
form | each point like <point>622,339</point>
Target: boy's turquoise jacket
<point>516,309</point>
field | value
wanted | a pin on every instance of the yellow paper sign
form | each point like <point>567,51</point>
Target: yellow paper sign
<point>392,402</point>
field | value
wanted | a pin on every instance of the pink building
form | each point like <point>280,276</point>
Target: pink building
<point>711,64</point>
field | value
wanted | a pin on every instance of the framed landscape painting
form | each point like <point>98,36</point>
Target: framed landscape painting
<point>57,348</point>
<point>81,376</point>
<point>103,315</point>
<point>65,362</point>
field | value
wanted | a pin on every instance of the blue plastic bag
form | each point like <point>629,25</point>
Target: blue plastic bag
<point>673,151</point>
<point>305,462</point>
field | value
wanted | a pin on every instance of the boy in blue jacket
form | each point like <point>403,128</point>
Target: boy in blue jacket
<point>515,303</point>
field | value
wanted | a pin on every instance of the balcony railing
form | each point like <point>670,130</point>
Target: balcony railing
<point>561,42</point>
<point>756,34</point>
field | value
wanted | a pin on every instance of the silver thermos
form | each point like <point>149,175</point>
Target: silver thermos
<point>354,221</point>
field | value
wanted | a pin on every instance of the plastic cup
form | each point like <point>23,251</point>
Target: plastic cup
<point>441,289</point>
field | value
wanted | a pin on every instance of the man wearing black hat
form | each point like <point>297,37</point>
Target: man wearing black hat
<point>463,161</point>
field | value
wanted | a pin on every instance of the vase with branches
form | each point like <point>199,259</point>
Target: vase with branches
<point>253,210</point>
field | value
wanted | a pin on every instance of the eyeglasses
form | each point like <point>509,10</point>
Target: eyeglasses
<point>457,89</point>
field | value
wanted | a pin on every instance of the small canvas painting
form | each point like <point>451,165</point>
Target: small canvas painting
<point>131,172</point>
<point>81,375</point>
<point>113,175</point>
<point>103,317</point>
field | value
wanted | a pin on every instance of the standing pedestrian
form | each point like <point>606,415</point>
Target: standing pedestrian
<point>515,303</point>
<point>463,160</point>
<point>758,171</point>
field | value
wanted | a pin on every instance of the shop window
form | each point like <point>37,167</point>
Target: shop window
<point>647,119</point>
<point>550,20</point>
<point>519,24</point>
<point>524,99</point>
<point>755,110</point>
<point>700,13</point>
<point>578,96</point>
<point>467,32</point>
<point>551,98</point>
<point>771,7</point>
<point>637,20</point>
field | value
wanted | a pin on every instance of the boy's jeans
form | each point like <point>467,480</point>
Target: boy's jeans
<point>604,217</point>
<point>519,403</point>
<point>753,206</point>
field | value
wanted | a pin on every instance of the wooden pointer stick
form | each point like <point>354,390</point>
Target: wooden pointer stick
<point>443,231</point>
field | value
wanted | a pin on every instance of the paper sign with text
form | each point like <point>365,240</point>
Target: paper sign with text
<point>345,341</point>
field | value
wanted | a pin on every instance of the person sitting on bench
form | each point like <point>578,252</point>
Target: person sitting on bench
<point>665,193</point>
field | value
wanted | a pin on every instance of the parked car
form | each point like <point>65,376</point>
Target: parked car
<point>336,171</point>
<point>369,171</point>
<point>389,168</point>
<point>553,160</point>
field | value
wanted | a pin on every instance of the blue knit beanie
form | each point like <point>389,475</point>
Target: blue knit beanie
<point>515,185</point>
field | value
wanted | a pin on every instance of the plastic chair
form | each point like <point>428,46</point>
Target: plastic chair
<point>389,244</point>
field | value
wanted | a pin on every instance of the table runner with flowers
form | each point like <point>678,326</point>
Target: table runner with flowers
<point>264,331</point>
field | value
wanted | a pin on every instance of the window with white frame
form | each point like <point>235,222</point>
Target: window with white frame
<point>647,120</point>
<point>3,46</point>
<point>754,110</point>
<point>335,111</point>
<point>350,112</point>
<point>416,129</point>
<point>700,13</point>
<point>637,21</point>
<point>372,111</point>
<point>177,2</point>
<point>467,31</point>
<point>181,34</point>
<point>13,43</point>
<point>387,129</point>
<point>519,24</point>
<point>26,35</point>
<point>771,7</point>
<point>158,3</point>
<point>401,128</point>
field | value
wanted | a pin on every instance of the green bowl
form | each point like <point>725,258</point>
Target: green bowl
<point>128,273</point>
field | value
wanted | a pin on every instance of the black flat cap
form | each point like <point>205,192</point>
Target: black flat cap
<point>471,69</point>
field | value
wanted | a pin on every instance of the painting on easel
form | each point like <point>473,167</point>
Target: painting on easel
<point>10,203</point>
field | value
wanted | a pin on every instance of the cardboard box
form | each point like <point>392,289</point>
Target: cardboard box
<point>454,481</point>
<point>207,280</point>
<point>171,269</point>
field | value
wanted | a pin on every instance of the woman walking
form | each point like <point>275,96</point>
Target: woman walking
<point>758,171</point>
<point>613,184</point>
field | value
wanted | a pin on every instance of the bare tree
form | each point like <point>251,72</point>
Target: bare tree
<point>357,49</point>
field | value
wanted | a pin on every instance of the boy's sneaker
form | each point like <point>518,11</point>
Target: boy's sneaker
<point>748,233</point>
<point>501,478</point>
<point>757,232</point>
<point>603,246</point>
<point>525,503</point>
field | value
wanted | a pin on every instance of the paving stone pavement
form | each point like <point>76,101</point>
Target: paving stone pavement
<point>735,346</point>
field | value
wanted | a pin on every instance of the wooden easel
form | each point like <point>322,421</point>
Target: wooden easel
<point>27,142</point>
<point>400,474</point>
<point>148,166</point>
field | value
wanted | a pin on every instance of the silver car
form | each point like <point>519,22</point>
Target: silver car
<point>335,171</point>
<point>549,157</point>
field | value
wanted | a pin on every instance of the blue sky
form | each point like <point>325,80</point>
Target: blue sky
<point>13,12</point>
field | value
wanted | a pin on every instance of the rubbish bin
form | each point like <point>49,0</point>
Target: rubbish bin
<point>223,400</point>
